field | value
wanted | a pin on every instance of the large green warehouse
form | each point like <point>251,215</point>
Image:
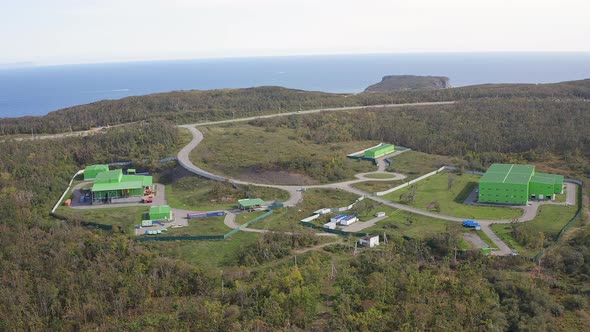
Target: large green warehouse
<point>379,150</point>
<point>113,184</point>
<point>516,184</point>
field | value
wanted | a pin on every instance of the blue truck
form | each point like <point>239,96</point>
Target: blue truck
<point>471,224</point>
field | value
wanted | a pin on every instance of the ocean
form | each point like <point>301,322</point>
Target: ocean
<point>38,90</point>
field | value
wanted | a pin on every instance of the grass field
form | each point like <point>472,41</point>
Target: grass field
<point>550,220</point>
<point>435,189</point>
<point>504,232</point>
<point>375,186</point>
<point>414,163</point>
<point>207,254</point>
<point>244,217</point>
<point>404,223</point>
<point>248,148</point>
<point>287,219</point>
<point>486,239</point>
<point>124,217</point>
<point>201,226</point>
<point>191,192</point>
<point>380,176</point>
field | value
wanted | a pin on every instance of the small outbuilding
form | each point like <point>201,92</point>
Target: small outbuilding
<point>90,172</point>
<point>250,203</point>
<point>330,225</point>
<point>369,241</point>
<point>161,212</point>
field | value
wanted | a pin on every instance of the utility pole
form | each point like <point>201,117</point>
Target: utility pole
<point>333,274</point>
<point>222,288</point>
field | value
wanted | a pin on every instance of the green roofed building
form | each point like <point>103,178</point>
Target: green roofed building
<point>90,172</point>
<point>516,184</point>
<point>380,150</point>
<point>161,212</point>
<point>249,203</point>
<point>113,184</point>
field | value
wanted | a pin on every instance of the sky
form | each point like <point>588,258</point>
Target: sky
<point>91,31</point>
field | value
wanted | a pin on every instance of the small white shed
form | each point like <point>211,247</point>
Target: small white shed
<point>369,241</point>
<point>330,225</point>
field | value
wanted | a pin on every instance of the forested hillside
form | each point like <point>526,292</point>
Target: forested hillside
<point>56,275</point>
<point>193,106</point>
<point>481,131</point>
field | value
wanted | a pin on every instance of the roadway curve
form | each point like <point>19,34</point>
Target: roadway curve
<point>295,194</point>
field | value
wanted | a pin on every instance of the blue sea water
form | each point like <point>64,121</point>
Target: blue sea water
<point>39,90</point>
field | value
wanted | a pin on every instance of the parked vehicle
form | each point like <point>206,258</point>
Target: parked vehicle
<point>471,224</point>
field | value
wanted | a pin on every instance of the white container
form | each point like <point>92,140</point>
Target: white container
<point>348,220</point>
<point>330,225</point>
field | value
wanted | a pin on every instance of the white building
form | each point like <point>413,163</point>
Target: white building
<point>337,218</point>
<point>369,241</point>
<point>323,211</point>
<point>380,214</point>
<point>348,220</point>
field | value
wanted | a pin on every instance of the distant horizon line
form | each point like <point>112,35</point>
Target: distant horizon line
<point>33,64</point>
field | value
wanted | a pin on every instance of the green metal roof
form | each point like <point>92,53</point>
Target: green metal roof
<point>379,147</point>
<point>160,209</point>
<point>115,180</point>
<point>249,202</point>
<point>547,178</point>
<point>508,173</point>
<point>109,176</point>
<point>117,186</point>
<point>145,180</point>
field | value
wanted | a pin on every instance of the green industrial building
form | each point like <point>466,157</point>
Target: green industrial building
<point>161,212</point>
<point>516,184</point>
<point>113,184</point>
<point>379,150</point>
<point>90,172</point>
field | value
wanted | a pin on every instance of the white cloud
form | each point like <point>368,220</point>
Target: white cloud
<point>109,30</point>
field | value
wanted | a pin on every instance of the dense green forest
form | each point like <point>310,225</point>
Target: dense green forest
<point>56,275</point>
<point>193,106</point>
<point>481,131</point>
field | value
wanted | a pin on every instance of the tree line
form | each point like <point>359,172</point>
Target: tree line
<point>194,106</point>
